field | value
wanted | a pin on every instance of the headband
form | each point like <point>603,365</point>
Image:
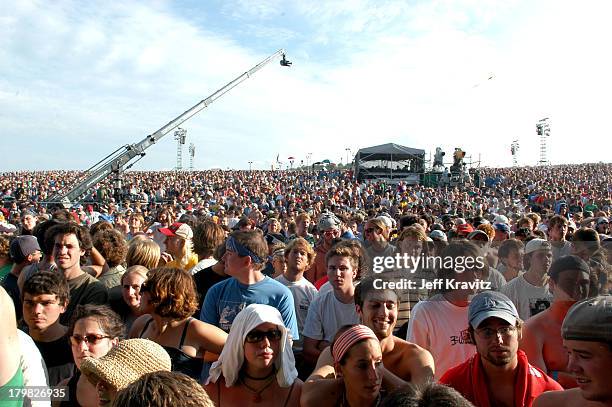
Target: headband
<point>348,338</point>
<point>235,246</point>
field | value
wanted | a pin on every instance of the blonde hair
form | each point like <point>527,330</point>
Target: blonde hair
<point>144,253</point>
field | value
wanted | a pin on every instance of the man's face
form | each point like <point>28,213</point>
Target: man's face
<point>558,232</point>
<point>515,259</point>
<point>41,311</point>
<point>29,222</point>
<point>297,259</point>
<point>541,260</point>
<point>572,285</point>
<point>331,234</point>
<point>379,312</point>
<point>373,233</point>
<point>67,251</point>
<point>589,362</point>
<point>496,341</point>
<point>234,263</point>
<point>340,272</point>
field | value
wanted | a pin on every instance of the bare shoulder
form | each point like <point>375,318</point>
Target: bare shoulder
<point>570,397</point>
<point>411,350</point>
<point>138,325</point>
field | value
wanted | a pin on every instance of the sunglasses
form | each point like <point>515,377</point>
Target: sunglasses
<point>258,336</point>
<point>89,339</point>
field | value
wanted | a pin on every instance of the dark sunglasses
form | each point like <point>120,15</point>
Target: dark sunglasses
<point>258,336</point>
<point>89,339</point>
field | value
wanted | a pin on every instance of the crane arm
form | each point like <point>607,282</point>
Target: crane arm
<point>117,161</point>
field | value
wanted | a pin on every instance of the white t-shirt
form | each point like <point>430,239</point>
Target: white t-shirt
<point>528,299</point>
<point>496,279</point>
<point>326,315</point>
<point>442,328</point>
<point>303,294</point>
<point>33,368</point>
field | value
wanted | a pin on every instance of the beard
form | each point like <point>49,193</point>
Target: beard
<point>498,359</point>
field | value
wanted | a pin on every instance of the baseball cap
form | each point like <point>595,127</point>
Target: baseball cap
<point>589,320</point>
<point>438,234</point>
<point>23,246</point>
<point>537,244</point>
<point>602,220</point>
<point>502,227</point>
<point>328,221</point>
<point>491,304</point>
<point>464,229</point>
<point>501,219</point>
<point>570,262</point>
<point>478,235</point>
<point>179,229</point>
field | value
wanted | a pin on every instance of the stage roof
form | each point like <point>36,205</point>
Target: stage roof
<point>389,150</point>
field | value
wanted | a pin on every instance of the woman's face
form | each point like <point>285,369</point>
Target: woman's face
<point>89,340</point>
<point>131,289</point>
<point>262,346</point>
<point>362,370</point>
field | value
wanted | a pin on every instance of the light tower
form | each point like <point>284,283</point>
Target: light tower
<point>543,130</point>
<point>191,155</point>
<point>179,135</point>
<point>514,148</point>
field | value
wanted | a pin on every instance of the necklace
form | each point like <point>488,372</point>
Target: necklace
<point>257,392</point>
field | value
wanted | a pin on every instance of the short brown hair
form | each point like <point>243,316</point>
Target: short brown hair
<point>163,389</point>
<point>557,220</point>
<point>255,242</point>
<point>508,246</point>
<point>207,236</point>
<point>351,249</point>
<point>173,292</point>
<point>47,282</point>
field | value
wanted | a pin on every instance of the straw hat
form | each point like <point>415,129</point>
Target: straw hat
<point>127,362</point>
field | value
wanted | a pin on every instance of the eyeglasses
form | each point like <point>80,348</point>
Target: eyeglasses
<point>258,336</point>
<point>489,333</point>
<point>371,230</point>
<point>89,339</point>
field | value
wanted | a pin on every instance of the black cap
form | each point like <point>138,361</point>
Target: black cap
<point>570,262</point>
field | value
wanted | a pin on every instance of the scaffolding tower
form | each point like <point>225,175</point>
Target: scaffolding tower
<point>191,155</point>
<point>543,130</point>
<point>514,148</point>
<point>179,135</point>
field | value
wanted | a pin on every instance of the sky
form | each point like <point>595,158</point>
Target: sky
<point>81,79</point>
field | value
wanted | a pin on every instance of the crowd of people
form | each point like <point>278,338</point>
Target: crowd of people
<point>292,288</point>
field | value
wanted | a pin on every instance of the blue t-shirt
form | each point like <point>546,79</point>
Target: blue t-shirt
<point>227,298</point>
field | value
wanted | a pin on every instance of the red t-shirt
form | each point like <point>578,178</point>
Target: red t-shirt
<point>469,379</point>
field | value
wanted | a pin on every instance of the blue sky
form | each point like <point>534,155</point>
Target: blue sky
<point>79,79</point>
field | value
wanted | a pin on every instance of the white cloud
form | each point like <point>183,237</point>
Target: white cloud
<point>364,73</point>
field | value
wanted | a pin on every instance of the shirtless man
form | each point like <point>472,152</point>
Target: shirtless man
<point>569,283</point>
<point>378,310</point>
<point>587,337</point>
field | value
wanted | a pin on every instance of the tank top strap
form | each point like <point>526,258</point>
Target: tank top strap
<point>184,333</point>
<point>145,327</point>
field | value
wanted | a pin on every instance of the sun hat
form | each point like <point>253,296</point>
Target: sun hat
<point>127,362</point>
